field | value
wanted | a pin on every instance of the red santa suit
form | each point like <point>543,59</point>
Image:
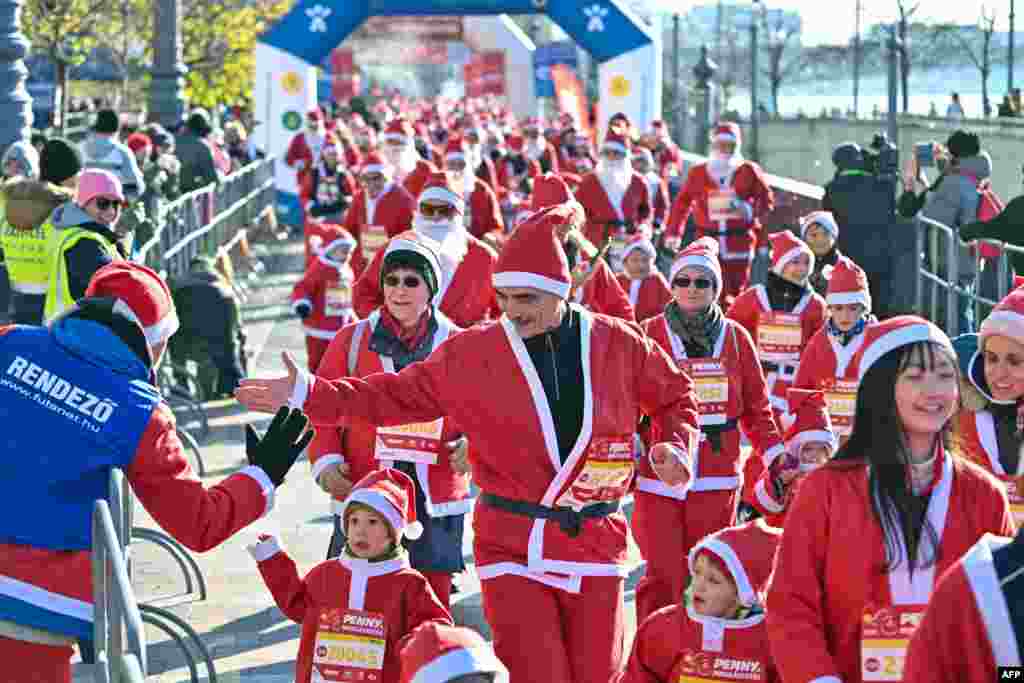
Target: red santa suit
<point>728,199</point>
<point>411,171</point>
<point>648,295</point>
<point>374,221</point>
<point>567,575</point>
<point>305,147</point>
<point>326,289</point>
<point>439,654</point>
<point>537,148</point>
<point>482,212</point>
<point>325,198</point>
<point>968,630</point>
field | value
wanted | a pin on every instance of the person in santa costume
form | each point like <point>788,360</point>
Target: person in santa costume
<point>716,629</point>
<point>552,450</point>
<point>593,283</point>
<point>666,152</point>
<point>304,148</point>
<point>323,297</point>
<point>368,599</point>
<point>576,155</point>
<point>975,621</point>
<point>646,287</point>
<point>810,442</point>
<point>85,385</point>
<point>720,356</point>
<point>380,211</point>
<point>411,170</point>
<point>829,361</point>
<point>615,198</point>
<point>657,190</point>
<point>325,198</point>
<point>407,328</point>
<point>728,196</point>
<point>871,530</point>
<point>482,213</point>
<point>538,148</point>
<point>464,290</point>
<point>481,163</point>
<point>992,437</point>
<point>820,231</point>
<point>450,654</point>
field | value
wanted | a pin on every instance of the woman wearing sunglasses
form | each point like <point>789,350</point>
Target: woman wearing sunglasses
<point>406,329</point>
<point>721,359</point>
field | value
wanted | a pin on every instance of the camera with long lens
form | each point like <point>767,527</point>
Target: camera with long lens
<point>881,157</point>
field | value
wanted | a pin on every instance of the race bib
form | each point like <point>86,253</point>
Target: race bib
<point>841,397</point>
<point>721,206</point>
<point>349,646</point>
<point>606,474</point>
<point>338,299</point>
<point>419,442</point>
<point>779,337</point>
<point>711,384</point>
<point>885,634</point>
<point>1013,492</point>
<point>372,240</point>
<point>327,192</point>
<point>703,666</point>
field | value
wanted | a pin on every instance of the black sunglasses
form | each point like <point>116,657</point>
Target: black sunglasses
<point>410,281</point>
<point>699,283</point>
<point>439,211</point>
<point>103,203</point>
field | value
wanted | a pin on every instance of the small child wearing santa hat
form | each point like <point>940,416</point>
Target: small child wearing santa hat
<point>810,442</point>
<point>646,287</point>
<point>820,231</point>
<point>721,615</point>
<point>369,599</point>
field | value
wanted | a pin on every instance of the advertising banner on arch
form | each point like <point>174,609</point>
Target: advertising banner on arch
<point>545,57</point>
<point>570,96</point>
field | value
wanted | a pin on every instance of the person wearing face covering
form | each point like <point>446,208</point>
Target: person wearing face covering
<point>483,215</point>
<point>537,148</point>
<point>399,150</point>
<point>379,211</point>
<point>465,293</point>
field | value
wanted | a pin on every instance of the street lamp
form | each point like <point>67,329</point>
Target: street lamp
<point>756,12</point>
<point>16,103</point>
<point>167,86</point>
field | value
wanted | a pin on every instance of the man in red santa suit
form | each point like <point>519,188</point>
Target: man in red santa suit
<point>975,620</point>
<point>728,196</point>
<point>465,295</point>
<point>483,215</point>
<point>553,450</point>
<point>615,198</point>
<point>399,149</point>
<point>666,153</point>
<point>305,147</point>
<point>380,211</point>
<point>537,147</point>
<point>481,164</point>
<point>657,190</point>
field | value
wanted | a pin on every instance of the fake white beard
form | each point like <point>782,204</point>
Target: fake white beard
<point>452,239</point>
<point>474,156</point>
<point>614,176</point>
<point>721,163</point>
<point>404,161</point>
<point>535,149</point>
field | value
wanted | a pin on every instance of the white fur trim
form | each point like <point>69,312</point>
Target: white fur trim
<point>769,456</point>
<point>797,442</point>
<point>793,253</point>
<point>395,137</point>
<point>698,261</point>
<point>159,331</point>
<point>911,334</point>
<point>261,478</point>
<point>732,561</point>
<point>861,297</point>
<point>413,530</point>
<point>339,242</point>
<point>645,246</point>
<point>265,549</point>
<point>1004,322</point>
<point>532,280</point>
<point>455,156</point>
<point>991,601</point>
<point>317,333</point>
<point>459,662</point>
<point>725,137</point>
<point>617,146</point>
<point>375,168</point>
<point>766,499</point>
<point>441,194</point>
<point>826,679</point>
<point>381,504</point>
<point>303,385</point>
<point>401,244</point>
<point>325,461</point>
<point>659,488</point>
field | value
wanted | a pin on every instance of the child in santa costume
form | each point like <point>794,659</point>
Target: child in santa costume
<point>657,190</point>
<point>549,397</point>
<point>871,530</point>
<point>728,196</point>
<point>975,621</point>
<point>820,231</point>
<point>407,328</point>
<point>992,437</point>
<point>448,654</point>
<point>716,630</point>
<point>646,287</point>
<point>483,214</point>
<point>829,362</point>
<point>381,210</point>
<point>325,198</point>
<point>358,611</point>
<point>465,293</point>
<point>810,442</point>
<point>323,297</point>
<point>720,357</point>
<point>399,149</point>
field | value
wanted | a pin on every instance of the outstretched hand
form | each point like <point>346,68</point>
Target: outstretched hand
<point>280,446</point>
<point>668,468</point>
<point>267,395</point>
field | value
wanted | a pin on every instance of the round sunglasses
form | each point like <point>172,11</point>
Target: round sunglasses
<point>699,283</point>
<point>409,281</point>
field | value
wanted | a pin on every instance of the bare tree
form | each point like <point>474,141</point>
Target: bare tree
<point>976,45</point>
<point>784,50</point>
<point>903,25</point>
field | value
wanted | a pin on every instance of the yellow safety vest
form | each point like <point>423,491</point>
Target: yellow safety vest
<point>58,293</point>
<point>25,252</point>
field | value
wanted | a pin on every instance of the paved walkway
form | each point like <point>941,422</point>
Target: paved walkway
<point>247,636</point>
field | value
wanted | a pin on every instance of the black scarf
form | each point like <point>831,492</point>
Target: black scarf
<point>818,280</point>
<point>783,295</point>
<point>698,331</point>
<point>384,342</point>
<point>1005,418</point>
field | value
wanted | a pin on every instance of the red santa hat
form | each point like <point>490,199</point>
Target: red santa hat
<point>375,163</point>
<point>392,494</point>
<point>439,189</point>
<point>785,247</point>
<point>398,130</point>
<point>1006,319</point>
<point>640,242</point>
<point>617,141</point>
<point>455,150</point>
<point>140,295</point>
<point>810,420</point>
<point>551,189</point>
<point>333,236</point>
<point>701,253</point>
<point>534,257</point>
<point>823,218</point>
<point>438,653</point>
<point>748,552</point>
<point>902,330</point>
<point>848,284</point>
<point>727,131</point>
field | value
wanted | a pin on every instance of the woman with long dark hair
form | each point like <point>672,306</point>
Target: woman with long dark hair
<point>869,532</point>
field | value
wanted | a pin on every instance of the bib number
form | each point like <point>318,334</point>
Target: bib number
<point>704,666</point>
<point>885,634</point>
<point>711,384</point>
<point>349,646</point>
<point>606,474</point>
<point>841,398</point>
<point>1013,492</point>
<point>419,442</point>
<point>721,206</point>
<point>779,338</point>
<point>327,191</point>
<point>372,240</point>
<point>338,299</point>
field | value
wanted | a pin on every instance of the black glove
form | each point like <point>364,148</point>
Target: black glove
<point>303,310</point>
<point>281,445</point>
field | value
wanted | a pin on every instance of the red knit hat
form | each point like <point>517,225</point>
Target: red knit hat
<point>810,420</point>
<point>617,141</point>
<point>891,334</point>
<point>785,247</point>
<point>137,141</point>
<point>438,653</point>
<point>533,256</point>
<point>140,295</point>
<point>439,189</point>
<point>455,150</point>
<point>375,163</point>
<point>702,253</point>
<point>393,495</point>
<point>398,130</point>
<point>727,131</point>
<point>748,551</point>
<point>848,284</point>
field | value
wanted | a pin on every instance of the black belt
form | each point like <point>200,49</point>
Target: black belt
<point>569,520</point>
<point>714,433</point>
<point>781,368</point>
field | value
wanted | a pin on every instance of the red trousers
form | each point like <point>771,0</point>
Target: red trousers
<point>545,634</point>
<point>441,582</point>
<point>33,663</point>
<point>315,350</point>
<point>666,529</point>
<point>735,277</point>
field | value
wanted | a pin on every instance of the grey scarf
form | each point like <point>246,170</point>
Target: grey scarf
<point>698,331</point>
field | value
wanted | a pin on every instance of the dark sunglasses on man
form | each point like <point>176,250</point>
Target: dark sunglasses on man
<point>699,283</point>
<point>409,281</point>
<point>437,210</point>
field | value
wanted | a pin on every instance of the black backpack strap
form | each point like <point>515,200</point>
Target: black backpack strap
<point>1009,565</point>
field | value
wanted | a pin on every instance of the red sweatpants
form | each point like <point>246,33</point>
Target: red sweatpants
<point>441,582</point>
<point>666,529</point>
<point>315,350</point>
<point>735,277</point>
<point>33,663</point>
<point>547,634</point>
